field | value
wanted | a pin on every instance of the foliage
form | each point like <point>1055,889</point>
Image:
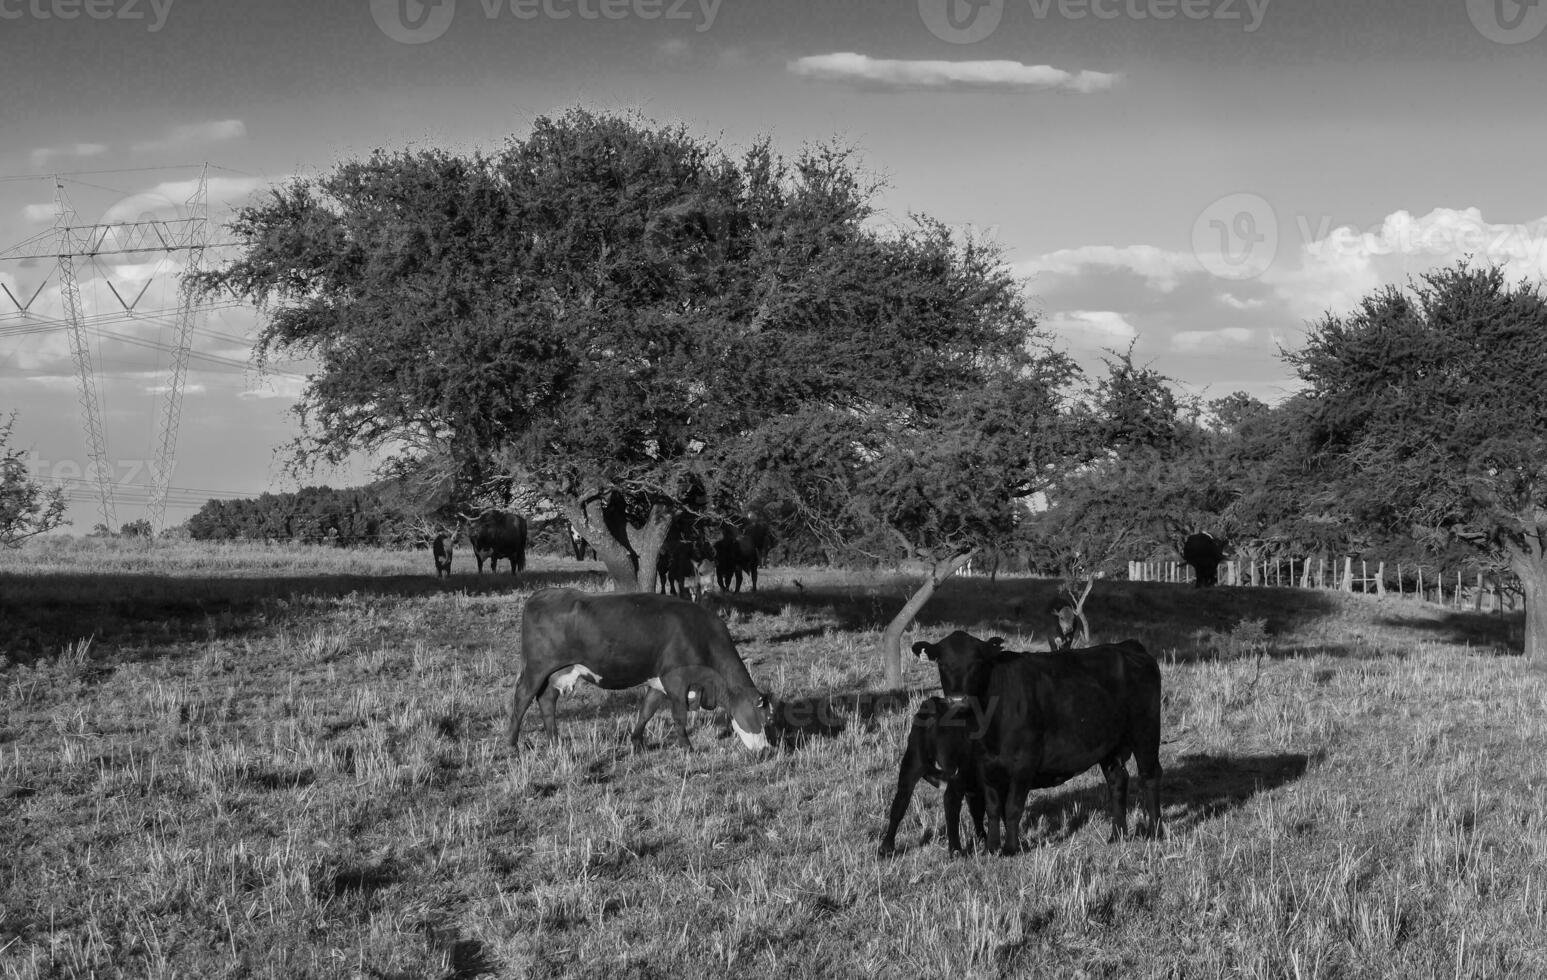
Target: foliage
<point>26,507</point>
<point>1427,410</point>
<point>322,515</point>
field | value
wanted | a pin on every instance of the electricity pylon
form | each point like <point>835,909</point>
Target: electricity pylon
<point>68,242</point>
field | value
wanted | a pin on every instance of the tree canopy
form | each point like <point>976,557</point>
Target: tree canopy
<point>27,508</point>
<point>1427,408</point>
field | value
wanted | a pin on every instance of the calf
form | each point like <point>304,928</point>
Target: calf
<point>1048,718</point>
<point>441,549</point>
<point>940,749</point>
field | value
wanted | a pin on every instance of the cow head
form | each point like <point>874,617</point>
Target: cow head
<point>700,687</point>
<point>964,661</point>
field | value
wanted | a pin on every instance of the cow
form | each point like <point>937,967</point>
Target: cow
<point>1068,624</point>
<point>496,534</point>
<point>1046,718</point>
<point>441,549</point>
<point>740,552</point>
<point>618,640</point>
<point>580,545</point>
<point>1203,552</point>
<point>939,750</point>
<point>678,561</point>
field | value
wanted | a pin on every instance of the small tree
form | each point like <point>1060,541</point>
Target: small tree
<point>26,508</point>
<point>1429,413</point>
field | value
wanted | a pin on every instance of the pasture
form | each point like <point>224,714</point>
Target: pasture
<point>249,761</point>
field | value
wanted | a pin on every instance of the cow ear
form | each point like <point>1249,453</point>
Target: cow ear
<point>699,687</point>
<point>925,650</point>
<point>997,642</point>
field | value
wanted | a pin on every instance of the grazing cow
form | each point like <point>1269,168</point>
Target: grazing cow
<point>1047,718</point>
<point>738,553</point>
<point>1203,552</point>
<point>619,640</point>
<point>441,549</point>
<point>494,535</point>
<point>940,749</point>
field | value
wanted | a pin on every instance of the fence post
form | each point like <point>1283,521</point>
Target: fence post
<point>1348,573</point>
<point>1321,571</point>
<point>1477,600</point>
<point>1458,588</point>
<point>1380,579</point>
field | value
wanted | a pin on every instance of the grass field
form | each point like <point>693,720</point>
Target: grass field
<point>247,761</point>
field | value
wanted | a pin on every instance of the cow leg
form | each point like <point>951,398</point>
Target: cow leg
<point>1115,769</point>
<point>907,778</point>
<point>994,804</point>
<point>953,815</point>
<point>1014,806</point>
<point>549,703</point>
<point>653,701</point>
<point>1148,764</point>
<point>975,809</point>
<point>752,573</point>
<point>526,689</point>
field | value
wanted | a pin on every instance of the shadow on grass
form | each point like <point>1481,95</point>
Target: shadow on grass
<point>1503,633</point>
<point>799,720</point>
<point>43,613</point>
<point>1202,787</point>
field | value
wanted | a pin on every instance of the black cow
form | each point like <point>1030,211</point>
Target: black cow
<point>1203,552</point>
<point>740,552</point>
<point>619,640</point>
<point>494,535</point>
<point>1047,718</point>
<point>940,750</point>
<point>441,549</point>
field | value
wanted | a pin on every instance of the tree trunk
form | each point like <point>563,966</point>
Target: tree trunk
<point>620,556</point>
<point>891,640</point>
<point>1531,569</point>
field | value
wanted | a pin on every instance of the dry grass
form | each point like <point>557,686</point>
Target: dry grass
<point>279,762</point>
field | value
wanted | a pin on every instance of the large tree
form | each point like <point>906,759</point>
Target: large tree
<point>1429,410</point>
<point>608,307</point>
<point>27,508</point>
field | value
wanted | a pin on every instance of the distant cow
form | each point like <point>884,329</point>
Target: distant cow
<point>1203,552</point>
<point>1068,624</point>
<point>940,750</point>
<point>679,561</point>
<point>618,640</point>
<point>1047,718</point>
<point>496,534</point>
<point>441,549</point>
<point>739,553</point>
<point>580,545</point>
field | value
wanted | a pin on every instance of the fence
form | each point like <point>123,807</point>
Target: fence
<point>1442,587</point>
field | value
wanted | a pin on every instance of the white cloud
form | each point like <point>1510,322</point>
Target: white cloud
<point>1092,328</point>
<point>1196,339</point>
<point>1338,266</point>
<point>1236,303</point>
<point>190,134</point>
<point>858,69</point>
<point>1161,268</point>
<point>169,199</point>
<point>276,386</point>
<point>41,156</point>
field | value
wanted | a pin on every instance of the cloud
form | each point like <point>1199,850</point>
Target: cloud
<point>191,134</point>
<point>882,73</point>
<point>1162,269</point>
<point>1092,328</point>
<point>41,156</point>
<point>1197,339</point>
<point>169,199</point>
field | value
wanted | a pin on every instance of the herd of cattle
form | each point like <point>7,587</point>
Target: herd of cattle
<point>686,554</point>
<point>1006,723</point>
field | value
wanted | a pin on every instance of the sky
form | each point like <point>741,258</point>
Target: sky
<point>1199,179</point>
